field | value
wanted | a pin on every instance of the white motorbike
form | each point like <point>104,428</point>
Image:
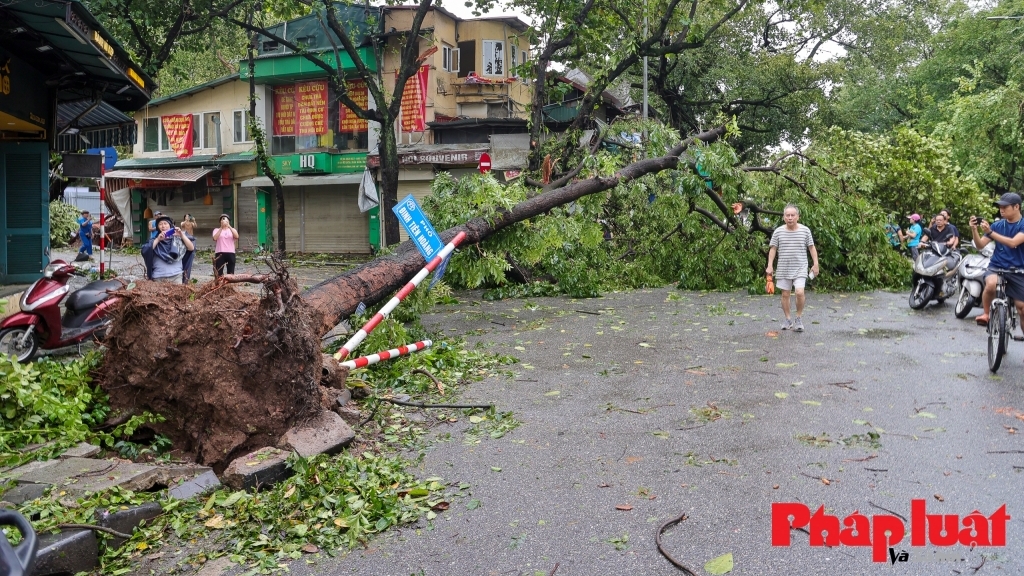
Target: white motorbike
<point>971,273</point>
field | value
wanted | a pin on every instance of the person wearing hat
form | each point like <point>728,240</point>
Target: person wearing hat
<point>168,251</point>
<point>85,233</point>
<point>913,235</point>
<point>225,238</point>
<point>1008,234</point>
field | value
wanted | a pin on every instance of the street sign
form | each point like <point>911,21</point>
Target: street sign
<point>420,230</point>
<point>110,157</point>
<point>82,166</point>
<point>485,163</point>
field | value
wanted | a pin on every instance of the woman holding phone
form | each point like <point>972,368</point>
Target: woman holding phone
<point>225,239</point>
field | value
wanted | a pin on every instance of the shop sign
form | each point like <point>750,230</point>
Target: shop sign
<point>450,157</point>
<point>102,45</point>
<point>22,91</point>
<point>284,110</point>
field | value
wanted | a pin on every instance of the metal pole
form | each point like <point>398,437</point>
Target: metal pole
<point>365,361</point>
<point>646,32</point>
<point>103,209</point>
<point>379,317</point>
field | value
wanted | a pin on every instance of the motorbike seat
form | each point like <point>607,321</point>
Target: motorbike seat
<point>91,294</point>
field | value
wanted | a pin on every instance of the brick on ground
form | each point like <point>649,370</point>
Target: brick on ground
<point>262,468</point>
<point>326,434</point>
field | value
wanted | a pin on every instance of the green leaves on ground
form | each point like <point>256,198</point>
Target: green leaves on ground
<point>721,565</point>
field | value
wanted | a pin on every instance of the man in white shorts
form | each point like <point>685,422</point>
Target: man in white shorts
<point>792,242</point>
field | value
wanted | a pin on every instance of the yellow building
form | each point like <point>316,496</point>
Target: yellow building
<point>205,183</point>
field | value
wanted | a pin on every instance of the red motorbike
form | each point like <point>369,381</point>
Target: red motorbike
<point>39,324</point>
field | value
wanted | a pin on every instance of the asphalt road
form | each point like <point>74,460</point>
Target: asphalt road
<point>670,403</point>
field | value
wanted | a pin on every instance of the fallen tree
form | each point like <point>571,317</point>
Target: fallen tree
<point>232,371</point>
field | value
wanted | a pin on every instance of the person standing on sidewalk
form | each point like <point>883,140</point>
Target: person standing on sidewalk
<point>792,242</point>
<point>85,233</point>
<point>225,238</point>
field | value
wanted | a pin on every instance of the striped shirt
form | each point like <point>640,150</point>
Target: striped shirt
<point>792,249</point>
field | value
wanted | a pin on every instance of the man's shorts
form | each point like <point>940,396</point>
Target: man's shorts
<point>1014,285</point>
<point>790,284</point>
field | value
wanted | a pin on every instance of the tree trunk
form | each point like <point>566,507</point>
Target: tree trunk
<point>375,281</point>
<point>389,181</point>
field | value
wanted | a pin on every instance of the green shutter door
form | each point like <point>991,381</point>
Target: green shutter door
<point>25,217</point>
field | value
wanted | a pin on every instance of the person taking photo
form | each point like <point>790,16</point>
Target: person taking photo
<point>1008,234</point>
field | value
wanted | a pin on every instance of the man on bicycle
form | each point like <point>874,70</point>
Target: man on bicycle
<point>1008,234</point>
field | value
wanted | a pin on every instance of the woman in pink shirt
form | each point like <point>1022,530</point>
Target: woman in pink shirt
<point>225,237</point>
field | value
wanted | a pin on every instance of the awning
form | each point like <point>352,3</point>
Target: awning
<point>86,124</point>
<point>298,180</point>
<point>167,174</point>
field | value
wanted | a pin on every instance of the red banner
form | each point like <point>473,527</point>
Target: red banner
<point>178,128</point>
<point>311,107</point>
<point>359,94</point>
<point>414,102</point>
<point>284,110</point>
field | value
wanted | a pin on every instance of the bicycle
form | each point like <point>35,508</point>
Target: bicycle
<point>1002,321</point>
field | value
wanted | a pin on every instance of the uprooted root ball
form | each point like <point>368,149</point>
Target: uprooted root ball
<point>230,371</point>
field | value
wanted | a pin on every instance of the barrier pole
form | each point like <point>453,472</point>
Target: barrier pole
<point>364,361</point>
<point>359,336</point>
<point>103,208</point>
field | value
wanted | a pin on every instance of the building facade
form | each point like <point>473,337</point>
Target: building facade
<point>204,184</point>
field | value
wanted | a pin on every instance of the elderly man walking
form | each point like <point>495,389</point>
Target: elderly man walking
<point>792,242</point>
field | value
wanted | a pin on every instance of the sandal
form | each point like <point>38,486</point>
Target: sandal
<point>981,320</point>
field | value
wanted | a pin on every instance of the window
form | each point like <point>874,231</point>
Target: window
<point>494,58</point>
<point>449,58</point>
<point>197,130</point>
<point>211,129</point>
<point>242,126</point>
<point>151,134</point>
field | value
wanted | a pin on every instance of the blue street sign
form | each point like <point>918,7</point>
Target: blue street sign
<point>439,272</point>
<point>420,230</point>
<point>109,160</point>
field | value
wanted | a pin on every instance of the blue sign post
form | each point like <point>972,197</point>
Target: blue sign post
<point>419,228</point>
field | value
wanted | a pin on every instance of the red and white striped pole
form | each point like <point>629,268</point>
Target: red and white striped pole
<point>365,361</point>
<point>103,208</point>
<point>359,336</point>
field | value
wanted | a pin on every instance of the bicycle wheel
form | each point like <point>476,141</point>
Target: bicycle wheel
<point>997,334</point>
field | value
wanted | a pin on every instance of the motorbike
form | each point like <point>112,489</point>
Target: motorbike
<point>39,324</point>
<point>971,275</point>
<point>935,276</point>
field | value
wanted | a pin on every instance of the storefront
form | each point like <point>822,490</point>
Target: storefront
<point>51,53</point>
<point>321,204</point>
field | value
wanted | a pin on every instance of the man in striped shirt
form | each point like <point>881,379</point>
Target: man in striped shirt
<point>792,242</point>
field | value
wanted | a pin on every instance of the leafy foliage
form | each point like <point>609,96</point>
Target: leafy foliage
<point>63,223</point>
<point>54,403</point>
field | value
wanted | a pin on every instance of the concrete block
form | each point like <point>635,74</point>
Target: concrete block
<point>350,414</point>
<point>68,552</point>
<point>262,468</point>
<point>126,520</point>
<point>24,492</point>
<point>82,450</point>
<point>81,475</point>
<point>29,468</point>
<point>200,484</point>
<point>325,434</point>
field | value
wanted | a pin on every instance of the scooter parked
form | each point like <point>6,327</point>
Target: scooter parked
<point>935,276</point>
<point>971,273</point>
<point>39,324</point>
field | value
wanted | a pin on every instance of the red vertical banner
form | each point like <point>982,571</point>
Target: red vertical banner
<point>348,121</point>
<point>414,102</point>
<point>178,128</point>
<point>284,110</point>
<point>311,107</point>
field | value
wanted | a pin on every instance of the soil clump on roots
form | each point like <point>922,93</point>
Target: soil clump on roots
<point>229,370</point>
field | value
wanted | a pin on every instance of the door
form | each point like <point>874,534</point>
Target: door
<point>24,211</point>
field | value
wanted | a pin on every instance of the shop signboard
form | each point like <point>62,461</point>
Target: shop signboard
<point>311,107</point>
<point>24,100</point>
<point>284,110</point>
